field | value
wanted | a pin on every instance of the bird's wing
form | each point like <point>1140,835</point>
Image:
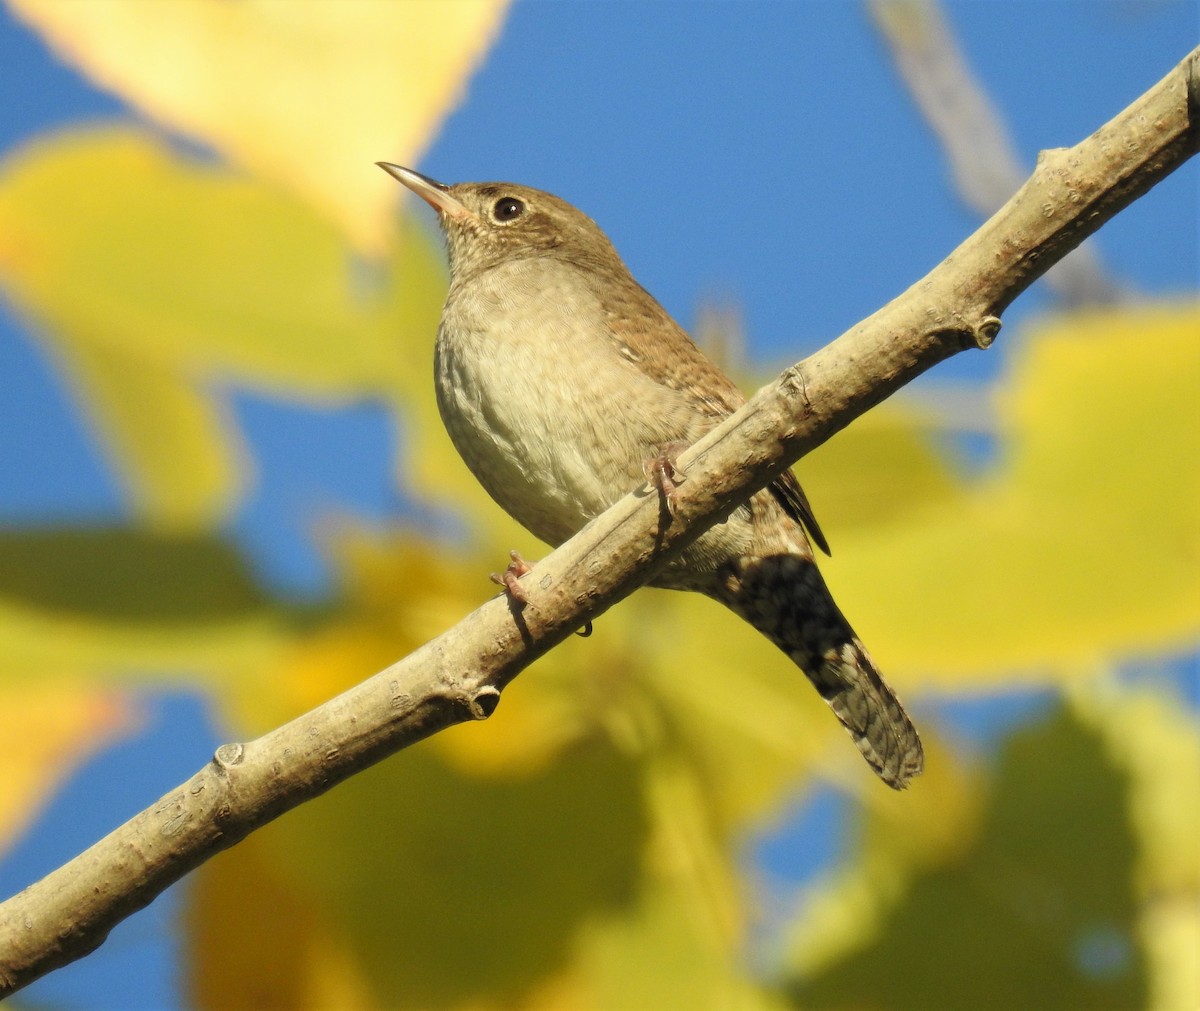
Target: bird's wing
<point>648,337</point>
<point>788,493</point>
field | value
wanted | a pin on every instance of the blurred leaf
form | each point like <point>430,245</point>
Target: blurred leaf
<point>189,267</point>
<point>108,603</point>
<point>162,279</point>
<point>1083,543</point>
<point>184,470</point>
<point>1157,742</point>
<point>745,719</point>
<point>659,955</point>
<point>884,471</point>
<point>594,882</point>
<point>935,823</point>
<point>397,591</point>
<point>232,904</point>
<point>309,95</point>
<point>1039,911</point>
<point>126,574</point>
<point>48,731</point>
<point>49,645</point>
<point>427,867</point>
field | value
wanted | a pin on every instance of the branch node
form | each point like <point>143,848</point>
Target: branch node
<point>229,755</point>
<point>484,703</point>
<point>1048,155</point>
<point>986,332</point>
<point>792,380</point>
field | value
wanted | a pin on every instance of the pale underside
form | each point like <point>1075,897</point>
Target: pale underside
<point>556,414</point>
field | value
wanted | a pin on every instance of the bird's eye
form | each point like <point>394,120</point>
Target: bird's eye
<point>508,208</point>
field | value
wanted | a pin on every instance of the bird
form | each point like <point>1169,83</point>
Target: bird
<point>564,385</point>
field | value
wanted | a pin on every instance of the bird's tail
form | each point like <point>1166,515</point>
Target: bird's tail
<point>785,598</point>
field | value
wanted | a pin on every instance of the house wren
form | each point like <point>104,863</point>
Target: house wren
<point>559,377</point>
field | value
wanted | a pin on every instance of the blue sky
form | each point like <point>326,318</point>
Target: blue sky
<point>759,153</point>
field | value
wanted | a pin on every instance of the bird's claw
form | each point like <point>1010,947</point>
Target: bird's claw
<point>510,578</point>
<point>663,473</point>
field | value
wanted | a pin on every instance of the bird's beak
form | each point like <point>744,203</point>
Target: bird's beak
<point>436,194</point>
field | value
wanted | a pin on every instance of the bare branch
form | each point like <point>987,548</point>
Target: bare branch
<point>984,164</point>
<point>459,675</point>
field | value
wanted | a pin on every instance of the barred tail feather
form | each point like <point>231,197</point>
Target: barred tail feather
<point>785,598</point>
<point>856,692</point>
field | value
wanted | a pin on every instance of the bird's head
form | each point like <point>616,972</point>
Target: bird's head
<point>491,223</point>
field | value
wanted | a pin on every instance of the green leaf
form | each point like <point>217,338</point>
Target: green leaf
<point>1039,910</point>
<point>123,574</point>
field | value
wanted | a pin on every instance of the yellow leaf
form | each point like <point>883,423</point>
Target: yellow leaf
<point>883,471</point>
<point>1171,933</point>
<point>236,901</point>
<point>411,852</point>
<point>161,278</point>
<point>47,731</point>
<point>43,643</point>
<point>306,94</point>
<point>398,591</point>
<point>658,955</point>
<point>934,823</point>
<point>179,454</point>
<point>537,726</point>
<point>1084,542</point>
<point>192,269</point>
<point>124,605</point>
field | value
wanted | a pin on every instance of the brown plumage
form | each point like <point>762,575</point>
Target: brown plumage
<point>559,376</point>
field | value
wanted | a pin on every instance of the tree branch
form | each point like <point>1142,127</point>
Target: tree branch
<point>459,675</point>
<point>982,158</point>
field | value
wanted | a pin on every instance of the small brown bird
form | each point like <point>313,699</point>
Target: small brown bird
<point>559,377</point>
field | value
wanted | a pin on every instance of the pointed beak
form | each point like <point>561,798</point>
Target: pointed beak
<point>436,194</point>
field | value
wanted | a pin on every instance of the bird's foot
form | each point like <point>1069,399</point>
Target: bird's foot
<point>663,473</point>
<point>510,578</point>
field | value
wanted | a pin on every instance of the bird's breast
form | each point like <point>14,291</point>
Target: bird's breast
<point>550,418</point>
